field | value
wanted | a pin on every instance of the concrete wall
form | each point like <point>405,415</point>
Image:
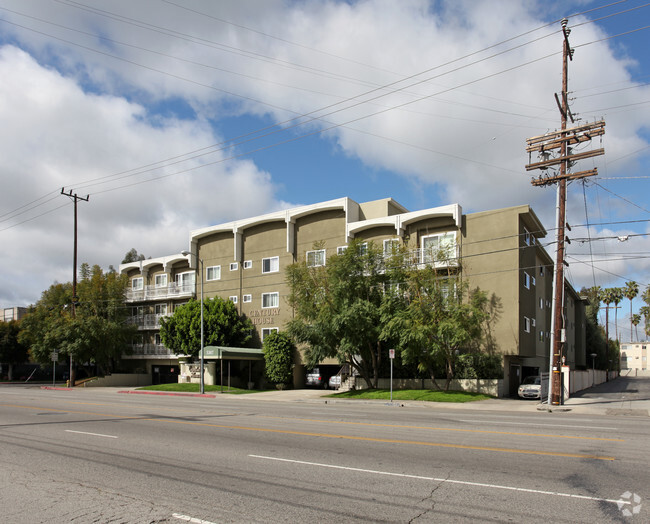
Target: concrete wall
<point>492,387</point>
<point>117,380</point>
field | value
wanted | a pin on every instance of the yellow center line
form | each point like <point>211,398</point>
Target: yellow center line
<point>330,435</point>
<point>433,428</point>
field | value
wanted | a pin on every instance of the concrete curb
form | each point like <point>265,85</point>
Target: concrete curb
<point>167,393</point>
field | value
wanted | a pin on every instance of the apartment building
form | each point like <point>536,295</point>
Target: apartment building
<point>244,261</point>
<point>634,356</point>
<point>13,313</point>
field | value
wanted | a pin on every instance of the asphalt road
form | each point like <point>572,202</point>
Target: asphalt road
<point>100,456</point>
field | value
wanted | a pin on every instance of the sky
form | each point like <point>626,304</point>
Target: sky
<point>172,115</point>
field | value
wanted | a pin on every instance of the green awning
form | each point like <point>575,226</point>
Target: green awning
<point>227,353</point>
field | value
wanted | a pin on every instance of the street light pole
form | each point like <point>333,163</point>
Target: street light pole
<point>202,382</point>
<point>593,369</point>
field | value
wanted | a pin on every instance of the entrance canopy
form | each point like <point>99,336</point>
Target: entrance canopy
<point>227,353</point>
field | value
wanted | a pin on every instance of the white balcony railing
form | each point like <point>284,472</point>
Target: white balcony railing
<point>150,349</point>
<point>150,321</point>
<point>160,293</point>
<point>422,257</point>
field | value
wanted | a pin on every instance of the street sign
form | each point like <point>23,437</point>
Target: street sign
<point>55,356</point>
<point>391,353</point>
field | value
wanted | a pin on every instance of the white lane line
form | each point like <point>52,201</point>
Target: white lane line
<point>529,424</point>
<point>434,479</point>
<point>191,519</point>
<point>93,434</point>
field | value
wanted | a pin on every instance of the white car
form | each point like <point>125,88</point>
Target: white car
<point>531,387</point>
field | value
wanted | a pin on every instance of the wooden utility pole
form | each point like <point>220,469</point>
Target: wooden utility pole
<point>546,145</point>
<point>74,198</point>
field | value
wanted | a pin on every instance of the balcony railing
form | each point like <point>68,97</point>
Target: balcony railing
<point>151,349</point>
<point>150,321</point>
<point>160,293</point>
<point>422,257</point>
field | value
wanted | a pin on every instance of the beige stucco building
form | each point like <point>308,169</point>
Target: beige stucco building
<point>244,261</point>
<point>634,356</point>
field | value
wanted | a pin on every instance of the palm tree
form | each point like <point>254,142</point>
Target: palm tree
<point>645,311</point>
<point>618,294</point>
<point>636,319</point>
<point>631,290</point>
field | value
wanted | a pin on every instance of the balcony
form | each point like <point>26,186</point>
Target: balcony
<point>142,350</point>
<point>151,321</point>
<point>160,293</point>
<point>424,257</point>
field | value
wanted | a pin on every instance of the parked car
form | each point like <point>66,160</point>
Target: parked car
<point>531,387</point>
<point>315,379</point>
<point>334,382</point>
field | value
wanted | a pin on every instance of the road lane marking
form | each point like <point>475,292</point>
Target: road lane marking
<point>193,520</point>
<point>343,437</point>
<point>87,433</point>
<point>543,425</point>
<point>447,481</point>
<point>390,441</point>
<point>461,430</point>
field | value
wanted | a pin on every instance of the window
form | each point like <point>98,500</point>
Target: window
<point>533,281</point>
<point>541,271</point>
<point>341,249</point>
<point>271,265</point>
<point>529,238</point>
<point>541,336</point>
<point>270,299</point>
<point>137,283</point>
<point>186,281</point>
<point>526,280</point>
<point>363,248</point>
<point>247,298</point>
<point>541,303</point>
<point>161,280</point>
<point>316,258</point>
<point>532,321</point>
<point>234,266</point>
<point>156,339</point>
<point>233,299</point>
<point>391,246</point>
<point>161,309</point>
<point>439,247</point>
<point>267,331</point>
<point>248,264</point>
<point>526,324</point>
<point>213,273</point>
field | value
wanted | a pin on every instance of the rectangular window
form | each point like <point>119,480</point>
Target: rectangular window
<point>526,324</point>
<point>137,283</point>
<point>316,258</point>
<point>161,280</point>
<point>233,299</point>
<point>391,246</point>
<point>267,331</point>
<point>271,265</point>
<point>213,273</point>
<point>541,336</point>
<point>541,303</point>
<point>438,248</point>
<point>248,264</point>
<point>247,299</point>
<point>161,309</point>
<point>341,249</point>
<point>526,280</point>
<point>533,322</point>
<point>363,248</point>
<point>186,281</point>
<point>270,299</point>
<point>533,281</point>
<point>234,266</point>
<point>541,271</point>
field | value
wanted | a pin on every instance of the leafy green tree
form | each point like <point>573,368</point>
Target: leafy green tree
<point>337,308</point>
<point>435,319</point>
<point>97,332</point>
<point>222,326</point>
<point>132,256</point>
<point>278,349</point>
<point>594,333</point>
<point>11,350</point>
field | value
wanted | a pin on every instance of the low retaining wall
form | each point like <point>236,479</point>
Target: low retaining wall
<point>119,380</point>
<point>493,387</point>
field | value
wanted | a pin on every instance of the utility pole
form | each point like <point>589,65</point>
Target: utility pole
<point>561,142</point>
<point>74,198</point>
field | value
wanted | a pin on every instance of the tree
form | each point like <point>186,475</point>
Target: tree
<point>630,291</point>
<point>278,349</point>
<point>222,326</point>
<point>337,308</point>
<point>435,319</point>
<point>11,350</point>
<point>132,256</point>
<point>595,336</point>
<point>98,332</point>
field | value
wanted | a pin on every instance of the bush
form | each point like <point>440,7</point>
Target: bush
<point>478,366</point>
<point>278,349</point>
